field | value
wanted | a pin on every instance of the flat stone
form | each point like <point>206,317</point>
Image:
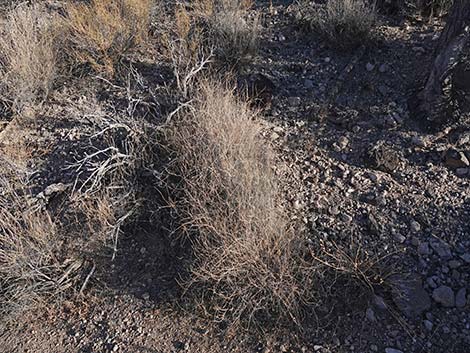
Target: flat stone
<point>409,295</point>
<point>308,83</point>
<point>392,350</point>
<point>370,67</point>
<point>444,295</point>
<point>428,324</point>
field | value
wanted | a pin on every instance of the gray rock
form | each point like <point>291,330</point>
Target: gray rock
<point>370,315</point>
<point>428,325</point>
<point>442,249</point>
<point>370,67</point>
<point>415,226</point>
<point>392,350</point>
<point>466,257</point>
<point>444,295</point>
<point>294,101</point>
<point>454,264</point>
<point>423,249</point>
<point>410,296</point>
<point>345,217</point>
<point>462,171</point>
<point>399,238</point>
<point>383,90</point>
<point>431,281</point>
<point>461,298</point>
<point>383,68</point>
<point>455,159</point>
<point>308,83</point>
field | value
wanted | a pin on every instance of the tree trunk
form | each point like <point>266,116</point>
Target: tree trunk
<point>431,99</point>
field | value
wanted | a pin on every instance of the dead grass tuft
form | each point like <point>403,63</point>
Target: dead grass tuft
<point>246,254</point>
<point>29,267</point>
<point>103,31</point>
<point>345,24</point>
<point>234,34</point>
<point>27,55</point>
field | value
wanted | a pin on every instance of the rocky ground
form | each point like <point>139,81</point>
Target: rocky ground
<point>362,172</point>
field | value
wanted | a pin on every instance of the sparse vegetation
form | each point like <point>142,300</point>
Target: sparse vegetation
<point>28,56</point>
<point>344,24</point>
<point>29,268</point>
<point>152,181</point>
<point>246,254</point>
<point>234,35</point>
<point>102,32</point>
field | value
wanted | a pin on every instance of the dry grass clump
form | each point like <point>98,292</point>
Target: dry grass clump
<point>28,55</point>
<point>246,255</point>
<point>29,267</point>
<point>235,36</point>
<point>101,32</point>
<point>222,27</point>
<point>345,24</point>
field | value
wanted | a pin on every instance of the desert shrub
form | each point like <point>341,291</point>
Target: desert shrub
<point>246,255</point>
<point>345,24</point>
<point>234,35</point>
<point>101,32</point>
<point>28,59</point>
<point>222,28</point>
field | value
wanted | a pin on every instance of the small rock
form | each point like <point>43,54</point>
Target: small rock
<point>466,257</point>
<point>383,68</point>
<point>442,249</point>
<point>343,142</point>
<point>327,59</point>
<point>444,295</point>
<point>431,281</point>
<point>419,50</point>
<point>454,264</point>
<point>370,67</point>
<point>383,90</point>
<point>294,101</point>
<point>308,83</point>
<point>423,249</point>
<point>345,217</point>
<point>415,226</point>
<point>455,159</point>
<point>428,324</point>
<point>410,296</point>
<point>462,171</point>
<point>392,350</point>
<point>461,298</point>
<point>370,315</point>
<point>399,238</point>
